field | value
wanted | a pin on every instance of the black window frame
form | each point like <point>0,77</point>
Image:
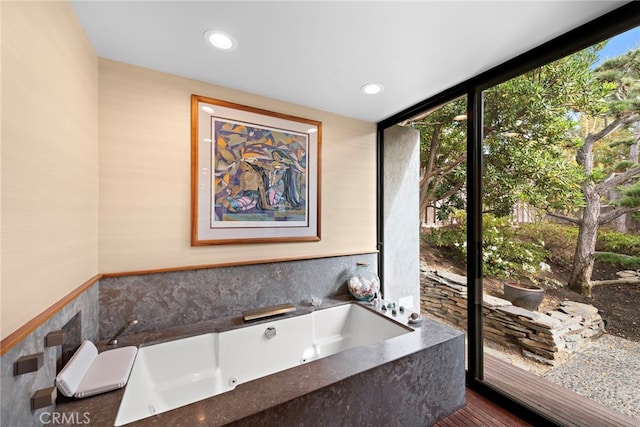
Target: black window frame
<point>606,26</point>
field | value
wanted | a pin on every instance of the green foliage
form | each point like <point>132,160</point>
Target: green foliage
<point>621,243</point>
<point>630,196</point>
<point>623,261</point>
<point>526,127</point>
<point>621,77</point>
<point>442,157</point>
<point>504,255</point>
<point>559,240</point>
<point>623,165</point>
<point>527,149</point>
<point>552,139</point>
<point>510,252</point>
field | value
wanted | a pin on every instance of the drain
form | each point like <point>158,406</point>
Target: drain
<point>152,410</point>
<point>233,381</point>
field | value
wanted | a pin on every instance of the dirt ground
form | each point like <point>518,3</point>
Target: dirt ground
<point>619,305</point>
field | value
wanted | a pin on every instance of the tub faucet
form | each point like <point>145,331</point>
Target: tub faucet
<point>114,339</point>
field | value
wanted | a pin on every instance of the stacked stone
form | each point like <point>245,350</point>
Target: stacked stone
<point>546,338</point>
<point>444,298</point>
<point>542,340</point>
<point>499,327</point>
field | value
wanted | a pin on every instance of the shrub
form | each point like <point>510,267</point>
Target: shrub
<point>624,261</point>
<point>504,254</point>
<point>511,252</point>
<point>621,243</point>
<point>559,240</point>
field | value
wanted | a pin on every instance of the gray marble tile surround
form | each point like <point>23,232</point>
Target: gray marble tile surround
<point>413,391</point>
<point>162,300</point>
<point>17,391</point>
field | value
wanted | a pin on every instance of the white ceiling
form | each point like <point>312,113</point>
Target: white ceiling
<point>318,54</point>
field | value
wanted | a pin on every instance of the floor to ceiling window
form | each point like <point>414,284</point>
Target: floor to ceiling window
<point>528,190</point>
<point>555,139</point>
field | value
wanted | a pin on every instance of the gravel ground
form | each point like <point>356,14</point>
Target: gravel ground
<point>607,371</point>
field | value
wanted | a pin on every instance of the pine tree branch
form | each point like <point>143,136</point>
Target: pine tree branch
<point>617,179</point>
<point>619,121</point>
<point>615,213</point>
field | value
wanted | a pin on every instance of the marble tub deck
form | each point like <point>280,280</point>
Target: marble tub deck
<point>414,379</point>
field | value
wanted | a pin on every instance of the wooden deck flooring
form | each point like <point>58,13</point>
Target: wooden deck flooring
<point>480,411</point>
<point>556,403</point>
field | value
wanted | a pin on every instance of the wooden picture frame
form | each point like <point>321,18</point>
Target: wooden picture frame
<point>255,175</point>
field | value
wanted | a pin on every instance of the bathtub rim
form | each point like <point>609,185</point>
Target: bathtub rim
<point>280,387</point>
<point>225,324</point>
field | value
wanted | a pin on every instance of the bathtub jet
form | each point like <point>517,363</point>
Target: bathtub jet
<point>169,375</point>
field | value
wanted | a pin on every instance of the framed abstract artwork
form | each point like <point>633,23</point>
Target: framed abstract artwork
<point>255,175</point>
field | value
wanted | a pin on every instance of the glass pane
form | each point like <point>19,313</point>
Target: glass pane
<point>561,241</point>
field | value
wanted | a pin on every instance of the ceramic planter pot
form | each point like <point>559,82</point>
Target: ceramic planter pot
<point>525,296</point>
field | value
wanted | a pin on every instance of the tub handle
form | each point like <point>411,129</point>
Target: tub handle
<point>270,332</point>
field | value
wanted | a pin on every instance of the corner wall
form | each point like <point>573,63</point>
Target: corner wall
<point>49,185</point>
<point>401,216</point>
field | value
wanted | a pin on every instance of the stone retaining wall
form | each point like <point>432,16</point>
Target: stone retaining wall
<point>546,338</point>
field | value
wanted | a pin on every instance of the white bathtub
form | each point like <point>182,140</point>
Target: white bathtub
<point>176,373</point>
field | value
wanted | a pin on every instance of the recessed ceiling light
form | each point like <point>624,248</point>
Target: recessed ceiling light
<point>221,40</point>
<point>372,88</point>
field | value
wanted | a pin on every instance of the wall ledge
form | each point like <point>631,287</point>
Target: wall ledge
<point>234,264</point>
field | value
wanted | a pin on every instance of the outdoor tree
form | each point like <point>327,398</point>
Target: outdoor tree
<point>563,138</point>
<point>613,91</point>
<point>525,144</point>
<point>442,158</point>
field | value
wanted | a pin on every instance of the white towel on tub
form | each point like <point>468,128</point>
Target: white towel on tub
<point>89,373</point>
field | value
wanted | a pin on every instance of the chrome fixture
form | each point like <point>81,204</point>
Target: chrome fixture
<point>114,340</point>
<point>270,332</point>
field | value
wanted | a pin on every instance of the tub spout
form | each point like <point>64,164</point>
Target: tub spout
<point>114,339</point>
<point>260,313</point>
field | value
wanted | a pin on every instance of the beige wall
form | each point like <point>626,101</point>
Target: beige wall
<point>72,207</point>
<point>49,169</point>
<point>145,175</point>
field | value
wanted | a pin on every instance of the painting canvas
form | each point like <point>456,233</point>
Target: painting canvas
<point>256,177</point>
<point>260,175</point>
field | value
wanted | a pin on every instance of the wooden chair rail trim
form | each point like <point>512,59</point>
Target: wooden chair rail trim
<point>21,333</point>
<point>233,264</point>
